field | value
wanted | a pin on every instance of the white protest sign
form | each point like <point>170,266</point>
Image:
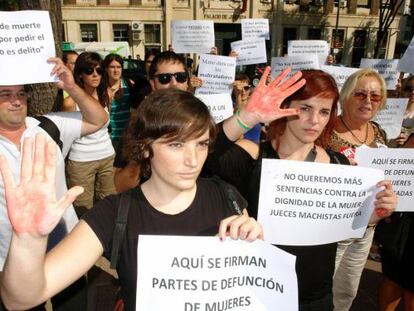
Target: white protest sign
<point>391,117</point>
<point>204,273</point>
<point>250,52</point>
<point>26,42</point>
<point>253,28</point>
<point>304,203</point>
<point>340,74</point>
<point>220,105</point>
<point>295,62</point>
<point>398,166</point>
<point>304,47</point>
<point>387,68</point>
<point>217,73</point>
<point>189,36</point>
<point>406,63</point>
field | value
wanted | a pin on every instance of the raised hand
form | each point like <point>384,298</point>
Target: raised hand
<point>264,104</point>
<point>66,80</point>
<point>31,205</point>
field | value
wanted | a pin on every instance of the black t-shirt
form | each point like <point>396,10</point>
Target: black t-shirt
<point>202,217</point>
<point>315,265</point>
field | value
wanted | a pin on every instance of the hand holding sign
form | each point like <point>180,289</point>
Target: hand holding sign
<point>385,203</point>
<point>31,205</point>
<point>240,227</point>
<point>66,80</point>
<point>264,104</point>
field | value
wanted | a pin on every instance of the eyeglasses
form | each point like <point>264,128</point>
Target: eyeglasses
<point>89,71</point>
<point>408,88</point>
<point>165,78</point>
<point>8,96</point>
<point>247,87</point>
<point>361,95</point>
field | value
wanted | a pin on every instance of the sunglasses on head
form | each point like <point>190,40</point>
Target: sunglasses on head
<point>408,88</point>
<point>165,78</point>
<point>361,95</point>
<point>89,71</point>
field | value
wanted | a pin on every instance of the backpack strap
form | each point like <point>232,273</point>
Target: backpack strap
<point>120,226</point>
<point>51,129</point>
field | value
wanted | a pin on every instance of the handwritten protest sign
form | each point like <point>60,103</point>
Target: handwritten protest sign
<point>217,73</point>
<point>250,52</point>
<point>26,42</point>
<point>189,36</point>
<point>303,203</point>
<point>205,274</point>
<point>406,63</point>
<point>340,74</point>
<point>304,47</point>
<point>391,117</point>
<point>387,68</point>
<point>398,166</point>
<point>253,28</point>
<point>220,106</point>
<point>295,62</point>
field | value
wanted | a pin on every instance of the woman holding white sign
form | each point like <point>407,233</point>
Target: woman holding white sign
<point>169,138</point>
<point>299,132</point>
<point>362,96</point>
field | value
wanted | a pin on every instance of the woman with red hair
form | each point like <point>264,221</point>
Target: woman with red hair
<point>304,123</point>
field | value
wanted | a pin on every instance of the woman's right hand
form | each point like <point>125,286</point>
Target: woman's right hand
<point>264,104</point>
<point>31,205</point>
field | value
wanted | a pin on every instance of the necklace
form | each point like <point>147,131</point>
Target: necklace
<point>352,133</point>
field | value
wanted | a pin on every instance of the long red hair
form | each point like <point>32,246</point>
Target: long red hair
<point>320,84</point>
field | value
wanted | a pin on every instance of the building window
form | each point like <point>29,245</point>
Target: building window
<point>383,47</point>
<point>363,3</point>
<point>121,32</point>
<point>63,33</point>
<point>337,44</point>
<point>89,32</point>
<point>152,33</point>
<point>314,34</point>
<point>358,49</point>
<point>288,35</point>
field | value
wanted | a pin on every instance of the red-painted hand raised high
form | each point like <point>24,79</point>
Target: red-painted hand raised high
<point>32,207</point>
<point>265,101</point>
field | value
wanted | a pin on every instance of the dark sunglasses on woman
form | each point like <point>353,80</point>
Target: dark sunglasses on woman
<point>89,71</point>
<point>408,88</point>
<point>165,78</point>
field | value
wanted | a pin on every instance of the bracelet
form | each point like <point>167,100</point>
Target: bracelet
<point>240,122</point>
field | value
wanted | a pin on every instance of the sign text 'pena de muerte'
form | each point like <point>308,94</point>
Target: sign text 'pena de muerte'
<point>306,203</point>
<point>26,42</point>
<point>185,273</point>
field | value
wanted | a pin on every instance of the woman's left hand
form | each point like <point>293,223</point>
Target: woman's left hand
<point>385,203</point>
<point>240,227</point>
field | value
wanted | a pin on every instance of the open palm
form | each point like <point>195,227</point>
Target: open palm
<point>31,205</point>
<point>266,100</point>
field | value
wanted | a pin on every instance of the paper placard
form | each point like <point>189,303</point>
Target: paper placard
<point>387,68</point>
<point>304,47</point>
<point>189,36</point>
<point>26,42</point>
<point>217,73</point>
<point>340,74</point>
<point>250,52</point>
<point>406,63</point>
<point>305,203</point>
<point>398,166</point>
<point>204,273</point>
<point>391,117</point>
<point>220,105</point>
<point>295,62</point>
<point>253,28</point>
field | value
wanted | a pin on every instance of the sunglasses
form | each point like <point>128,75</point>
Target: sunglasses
<point>165,78</point>
<point>409,88</point>
<point>247,87</point>
<point>360,95</point>
<point>89,71</point>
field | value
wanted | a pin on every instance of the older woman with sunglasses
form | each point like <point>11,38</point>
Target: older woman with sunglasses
<point>90,161</point>
<point>362,96</point>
